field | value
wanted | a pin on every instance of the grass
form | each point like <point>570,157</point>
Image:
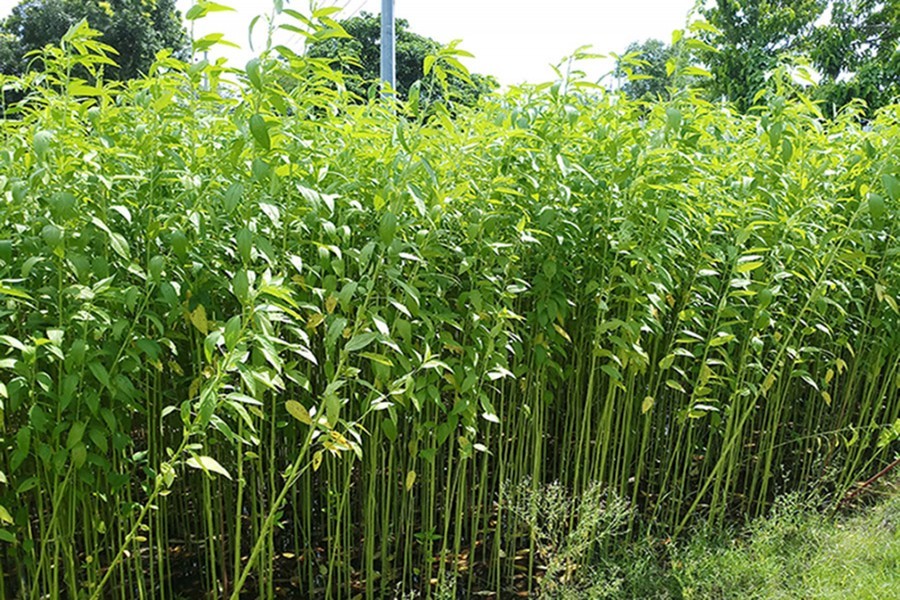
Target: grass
<point>798,551</point>
<point>801,550</point>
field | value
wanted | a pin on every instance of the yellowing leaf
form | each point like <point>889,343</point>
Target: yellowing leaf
<point>317,460</point>
<point>410,480</point>
<point>826,397</point>
<point>314,320</point>
<point>647,404</point>
<point>5,517</point>
<point>198,318</point>
<point>378,358</point>
<point>666,362</point>
<point>14,292</point>
<point>749,266</point>
<point>768,383</point>
<point>671,383</point>
<point>721,339</point>
<point>562,332</point>
<point>299,412</point>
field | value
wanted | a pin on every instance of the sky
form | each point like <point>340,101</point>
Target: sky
<point>513,40</point>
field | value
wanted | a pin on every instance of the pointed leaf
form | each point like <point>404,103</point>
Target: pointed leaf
<point>207,464</point>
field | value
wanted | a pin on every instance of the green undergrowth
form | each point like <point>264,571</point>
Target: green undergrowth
<point>798,552</point>
<point>261,338</point>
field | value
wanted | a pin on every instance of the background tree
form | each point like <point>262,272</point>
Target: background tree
<point>753,35</point>
<point>644,67</point>
<point>857,53</point>
<point>360,57</point>
<point>137,29</point>
<point>853,44</point>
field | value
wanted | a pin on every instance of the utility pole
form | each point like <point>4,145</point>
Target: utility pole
<point>388,59</point>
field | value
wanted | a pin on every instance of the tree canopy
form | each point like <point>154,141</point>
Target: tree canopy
<point>137,29</point>
<point>857,52</point>
<point>851,44</point>
<point>360,57</point>
<point>752,36</point>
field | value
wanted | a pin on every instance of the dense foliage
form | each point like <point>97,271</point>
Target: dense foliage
<point>136,29</point>
<point>253,328</point>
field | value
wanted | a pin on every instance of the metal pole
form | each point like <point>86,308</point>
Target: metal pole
<point>388,59</point>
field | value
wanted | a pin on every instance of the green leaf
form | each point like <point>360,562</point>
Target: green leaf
<point>260,130</point>
<point>100,372</point>
<point>389,428</point>
<point>673,118</point>
<point>254,74</point>
<point>233,196</point>
<point>332,408</point>
<point>42,141</point>
<point>360,341</point>
<point>198,319</point>
<point>76,433</point>
<point>892,186</point>
<point>241,286</point>
<point>695,71</point>
<point>79,455</point>
<point>387,228</point>
<point>203,7</point>
<point>671,383</point>
<point>208,41</point>
<point>876,206</point>
<point>52,236</point>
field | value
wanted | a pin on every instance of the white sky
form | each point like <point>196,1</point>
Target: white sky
<point>514,40</point>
